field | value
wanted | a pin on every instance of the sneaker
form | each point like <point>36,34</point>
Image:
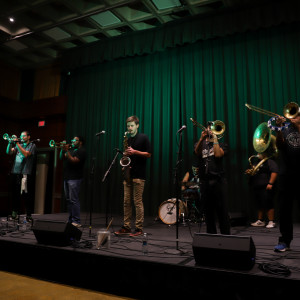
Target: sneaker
<point>137,233</point>
<point>76,225</point>
<point>271,224</point>
<point>123,231</point>
<point>281,247</point>
<point>258,223</point>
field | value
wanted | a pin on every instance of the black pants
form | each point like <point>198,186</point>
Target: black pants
<point>287,194</point>
<point>17,196</point>
<point>214,201</point>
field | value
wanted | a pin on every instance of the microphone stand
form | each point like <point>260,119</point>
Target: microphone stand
<point>104,178</point>
<point>177,192</point>
<point>92,190</point>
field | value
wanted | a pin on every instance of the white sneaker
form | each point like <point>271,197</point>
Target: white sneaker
<point>258,223</point>
<point>271,224</point>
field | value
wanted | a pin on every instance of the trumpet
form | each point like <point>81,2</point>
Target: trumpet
<point>217,127</point>
<point>60,145</point>
<point>12,138</point>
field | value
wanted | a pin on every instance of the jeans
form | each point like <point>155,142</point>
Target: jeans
<point>72,189</point>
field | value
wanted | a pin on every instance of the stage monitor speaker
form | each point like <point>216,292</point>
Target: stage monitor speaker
<point>224,251</point>
<point>55,233</point>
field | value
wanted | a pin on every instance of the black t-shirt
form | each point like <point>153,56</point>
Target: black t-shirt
<point>209,165</point>
<point>74,171</point>
<point>138,163</point>
<point>262,177</point>
<point>289,158</point>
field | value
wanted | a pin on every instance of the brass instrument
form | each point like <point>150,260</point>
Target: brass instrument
<point>290,111</point>
<point>60,145</point>
<point>217,127</point>
<point>263,142</point>
<point>12,138</point>
<point>125,160</point>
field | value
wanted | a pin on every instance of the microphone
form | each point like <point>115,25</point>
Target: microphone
<point>36,140</point>
<point>182,128</point>
<point>101,132</point>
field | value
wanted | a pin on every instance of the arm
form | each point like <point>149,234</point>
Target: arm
<point>185,179</point>
<point>24,152</point>
<point>198,147</point>
<point>272,181</point>
<point>279,136</point>
<point>219,152</point>
<point>130,151</point>
<point>10,150</point>
<point>65,154</point>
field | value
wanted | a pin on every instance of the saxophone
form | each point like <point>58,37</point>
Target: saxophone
<point>125,160</point>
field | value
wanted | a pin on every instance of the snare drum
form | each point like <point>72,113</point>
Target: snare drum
<point>167,210</point>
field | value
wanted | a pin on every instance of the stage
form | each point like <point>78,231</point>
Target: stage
<point>167,271</point>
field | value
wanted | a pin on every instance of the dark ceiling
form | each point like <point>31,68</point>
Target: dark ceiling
<point>43,29</point>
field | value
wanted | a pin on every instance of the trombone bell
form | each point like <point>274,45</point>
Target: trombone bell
<point>291,110</point>
<point>218,128</point>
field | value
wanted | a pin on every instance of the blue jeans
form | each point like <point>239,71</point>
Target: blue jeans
<point>72,189</point>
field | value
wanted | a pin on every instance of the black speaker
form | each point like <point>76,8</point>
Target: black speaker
<point>224,251</point>
<point>56,233</point>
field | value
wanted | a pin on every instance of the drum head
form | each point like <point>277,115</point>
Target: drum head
<point>167,211</point>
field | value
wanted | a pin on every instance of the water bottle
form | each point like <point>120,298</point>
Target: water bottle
<point>24,225</point>
<point>145,244</point>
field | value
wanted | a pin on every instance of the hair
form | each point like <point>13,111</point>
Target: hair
<point>81,138</point>
<point>134,119</point>
<point>27,132</point>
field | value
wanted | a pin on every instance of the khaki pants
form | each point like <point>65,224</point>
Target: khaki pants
<point>134,191</point>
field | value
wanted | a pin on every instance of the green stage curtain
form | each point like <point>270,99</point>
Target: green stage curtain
<point>208,80</point>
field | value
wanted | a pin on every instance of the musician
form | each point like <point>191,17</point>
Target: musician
<point>191,193</point>
<point>139,149</point>
<point>74,157</point>
<point>288,142</point>
<point>210,155</point>
<point>263,186</point>
<point>22,173</point>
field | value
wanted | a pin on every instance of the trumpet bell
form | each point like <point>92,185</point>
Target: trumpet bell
<point>53,144</point>
<point>291,110</point>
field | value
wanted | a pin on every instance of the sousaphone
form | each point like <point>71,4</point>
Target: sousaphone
<point>263,142</point>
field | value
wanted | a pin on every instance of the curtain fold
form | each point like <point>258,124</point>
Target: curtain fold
<point>185,31</point>
<point>207,80</point>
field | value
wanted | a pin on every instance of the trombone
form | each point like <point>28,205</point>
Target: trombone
<point>60,145</point>
<point>217,127</point>
<point>290,111</point>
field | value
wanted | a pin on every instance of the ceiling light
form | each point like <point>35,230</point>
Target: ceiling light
<point>11,19</point>
<point>106,18</point>
<point>165,4</point>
